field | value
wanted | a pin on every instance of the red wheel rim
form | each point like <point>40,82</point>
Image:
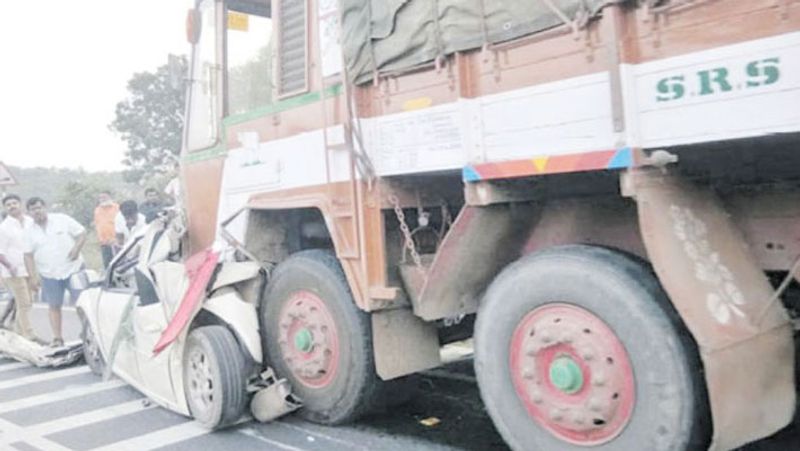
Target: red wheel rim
<point>308,339</point>
<point>572,374</point>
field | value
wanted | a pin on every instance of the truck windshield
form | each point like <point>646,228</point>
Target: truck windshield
<point>203,93</point>
<point>248,55</point>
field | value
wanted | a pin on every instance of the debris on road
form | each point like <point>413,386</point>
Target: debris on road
<point>430,422</point>
<point>24,350</point>
<point>274,398</point>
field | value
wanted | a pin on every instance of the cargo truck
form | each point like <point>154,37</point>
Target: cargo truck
<point>603,194</point>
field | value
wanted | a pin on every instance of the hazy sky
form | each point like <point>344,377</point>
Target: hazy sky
<point>65,65</point>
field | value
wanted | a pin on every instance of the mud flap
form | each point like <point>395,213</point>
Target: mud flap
<point>706,267</point>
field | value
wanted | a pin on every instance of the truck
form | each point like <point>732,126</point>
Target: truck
<point>603,194</point>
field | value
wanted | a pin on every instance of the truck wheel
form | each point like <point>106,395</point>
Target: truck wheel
<point>316,337</point>
<point>579,346</point>
<point>91,348</point>
<point>214,377</point>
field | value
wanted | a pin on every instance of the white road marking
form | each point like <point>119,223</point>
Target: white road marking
<point>45,376</point>
<point>91,417</point>
<point>11,433</point>
<point>252,433</point>
<point>14,366</point>
<point>319,434</point>
<point>158,439</point>
<point>59,395</point>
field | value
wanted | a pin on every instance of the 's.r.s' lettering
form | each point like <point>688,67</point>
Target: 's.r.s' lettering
<point>719,80</point>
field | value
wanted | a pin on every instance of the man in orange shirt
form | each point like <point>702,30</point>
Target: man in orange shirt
<point>104,216</point>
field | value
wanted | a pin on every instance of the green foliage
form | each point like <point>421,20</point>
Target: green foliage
<point>150,121</point>
<point>79,199</point>
<point>250,83</point>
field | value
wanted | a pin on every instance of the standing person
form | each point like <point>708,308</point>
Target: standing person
<point>54,241</point>
<point>152,205</point>
<point>128,221</point>
<point>104,215</point>
<point>12,263</point>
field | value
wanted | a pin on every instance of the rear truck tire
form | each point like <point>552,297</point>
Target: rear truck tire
<point>315,336</point>
<point>91,348</point>
<point>578,346</point>
<point>214,377</point>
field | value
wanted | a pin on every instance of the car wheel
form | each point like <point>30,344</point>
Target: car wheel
<point>578,346</point>
<point>214,376</point>
<point>91,348</point>
<point>315,336</point>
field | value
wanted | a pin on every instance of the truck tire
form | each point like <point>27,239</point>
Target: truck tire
<point>579,346</point>
<point>214,377</point>
<point>91,348</point>
<point>315,336</point>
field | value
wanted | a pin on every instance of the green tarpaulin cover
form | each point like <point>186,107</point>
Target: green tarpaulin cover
<point>393,35</point>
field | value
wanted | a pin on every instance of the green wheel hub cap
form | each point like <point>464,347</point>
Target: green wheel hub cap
<point>303,340</point>
<point>566,375</point>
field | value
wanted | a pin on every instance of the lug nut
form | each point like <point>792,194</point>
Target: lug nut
<point>595,405</point>
<point>599,380</point>
<point>528,373</point>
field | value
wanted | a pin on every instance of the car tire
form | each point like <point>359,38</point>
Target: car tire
<point>308,315</point>
<point>214,377</point>
<point>556,324</point>
<point>92,354</point>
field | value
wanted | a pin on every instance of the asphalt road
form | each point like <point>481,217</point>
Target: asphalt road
<point>71,409</point>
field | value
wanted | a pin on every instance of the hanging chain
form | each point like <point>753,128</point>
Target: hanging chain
<point>409,240</point>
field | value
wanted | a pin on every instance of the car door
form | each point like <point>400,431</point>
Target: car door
<point>150,320</point>
<point>114,310</point>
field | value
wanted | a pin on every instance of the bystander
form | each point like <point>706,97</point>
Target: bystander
<point>152,205</point>
<point>12,263</point>
<point>128,221</point>
<point>104,215</point>
<point>54,243</point>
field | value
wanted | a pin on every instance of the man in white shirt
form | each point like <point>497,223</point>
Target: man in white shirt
<point>12,263</point>
<point>54,242</point>
<point>128,221</point>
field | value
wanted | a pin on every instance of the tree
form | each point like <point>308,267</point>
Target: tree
<point>79,199</point>
<point>150,121</point>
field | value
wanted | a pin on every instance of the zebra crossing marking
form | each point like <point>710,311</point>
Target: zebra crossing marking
<point>90,417</point>
<point>159,438</point>
<point>44,376</point>
<point>14,366</point>
<point>60,395</point>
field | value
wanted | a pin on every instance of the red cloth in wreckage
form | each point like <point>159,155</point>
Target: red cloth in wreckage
<point>200,268</point>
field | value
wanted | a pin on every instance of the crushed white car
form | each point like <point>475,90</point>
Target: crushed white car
<point>183,332</point>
